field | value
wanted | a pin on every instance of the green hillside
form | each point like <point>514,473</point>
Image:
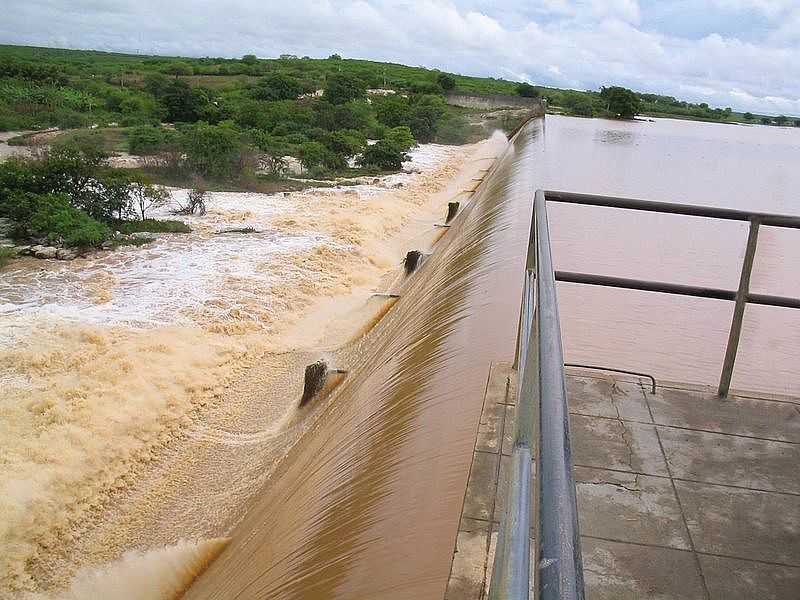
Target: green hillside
<point>41,87</point>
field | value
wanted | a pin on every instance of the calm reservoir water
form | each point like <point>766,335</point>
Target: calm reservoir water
<point>675,338</point>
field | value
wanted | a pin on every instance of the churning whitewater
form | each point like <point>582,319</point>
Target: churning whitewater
<point>124,373</point>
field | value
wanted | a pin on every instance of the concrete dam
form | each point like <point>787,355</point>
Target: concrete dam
<point>418,481</point>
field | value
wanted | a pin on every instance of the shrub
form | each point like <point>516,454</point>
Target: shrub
<point>390,152</point>
<point>51,217</point>
<point>315,155</point>
<point>146,140</point>
<point>526,90</point>
<point>6,254</point>
<point>213,150</point>
<point>343,87</point>
<point>277,87</point>
<point>151,226</point>
<point>346,142</point>
<point>446,81</point>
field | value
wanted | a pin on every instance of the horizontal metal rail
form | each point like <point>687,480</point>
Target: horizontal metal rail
<point>741,296</point>
<point>674,288</point>
<point>691,210</point>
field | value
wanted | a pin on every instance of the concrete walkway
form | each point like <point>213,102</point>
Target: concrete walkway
<point>681,495</point>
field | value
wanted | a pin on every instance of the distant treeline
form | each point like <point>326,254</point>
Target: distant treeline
<point>41,87</point>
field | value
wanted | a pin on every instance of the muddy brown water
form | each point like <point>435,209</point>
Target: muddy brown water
<point>367,505</point>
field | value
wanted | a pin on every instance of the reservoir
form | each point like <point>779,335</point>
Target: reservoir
<point>673,337</point>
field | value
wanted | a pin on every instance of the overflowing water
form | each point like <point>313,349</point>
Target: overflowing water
<point>368,503</point>
<point>108,359</point>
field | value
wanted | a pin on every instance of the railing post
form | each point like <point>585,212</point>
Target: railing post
<point>738,310</point>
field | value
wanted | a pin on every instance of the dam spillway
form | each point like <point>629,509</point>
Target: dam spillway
<point>409,458</point>
<point>368,504</point>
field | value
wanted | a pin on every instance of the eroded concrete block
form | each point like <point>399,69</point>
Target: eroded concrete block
<point>607,397</point>
<point>614,444</point>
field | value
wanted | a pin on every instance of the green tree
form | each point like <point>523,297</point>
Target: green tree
<point>748,116</point>
<point>426,112</point>
<point>344,87</point>
<point>181,102</point>
<point>277,87</point>
<point>272,150</point>
<point>178,68</point>
<point>315,155</point>
<point>446,81</point>
<point>146,140</point>
<point>621,102</point>
<point>250,59</point>
<point>393,110</point>
<point>579,104</point>
<point>526,90</point>
<point>352,115</point>
<point>145,196</point>
<point>52,217</point>
<point>213,150</point>
<point>781,120</point>
<point>347,142</point>
<point>391,151</point>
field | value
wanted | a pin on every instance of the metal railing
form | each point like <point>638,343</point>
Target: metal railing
<point>741,296</point>
<point>542,390</point>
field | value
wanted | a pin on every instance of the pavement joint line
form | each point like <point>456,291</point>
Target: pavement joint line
<point>668,426</point>
<point>697,481</point>
<point>644,544</point>
<point>683,513</point>
<point>698,552</point>
<point>683,387</point>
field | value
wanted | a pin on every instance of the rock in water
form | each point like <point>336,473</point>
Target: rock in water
<point>316,373</point>
<point>452,209</point>
<point>412,261</point>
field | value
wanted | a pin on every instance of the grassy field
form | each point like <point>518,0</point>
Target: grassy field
<point>103,87</point>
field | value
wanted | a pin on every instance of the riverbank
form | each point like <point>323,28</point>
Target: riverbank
<point>151,390</point>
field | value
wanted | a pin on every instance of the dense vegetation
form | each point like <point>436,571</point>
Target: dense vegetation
<point>66,197</point>
<point>232,118</point>
<point>273,103</point>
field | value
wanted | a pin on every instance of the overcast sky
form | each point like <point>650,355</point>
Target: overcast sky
<point>739,53</point>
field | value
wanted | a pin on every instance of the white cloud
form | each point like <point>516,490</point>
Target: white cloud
<point>581,44</point>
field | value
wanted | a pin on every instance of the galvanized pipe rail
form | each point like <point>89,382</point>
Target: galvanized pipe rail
<point>542,390</point>
<point>741,296</point>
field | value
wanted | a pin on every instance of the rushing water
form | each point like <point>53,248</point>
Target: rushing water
<point>676,338</point>
<point>368,504</point>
